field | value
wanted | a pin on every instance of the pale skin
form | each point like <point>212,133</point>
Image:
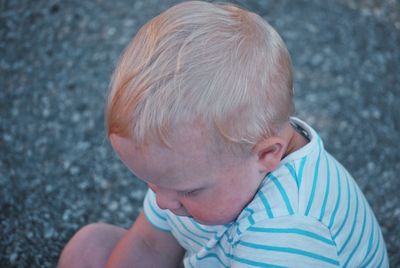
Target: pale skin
<point>189,179</point>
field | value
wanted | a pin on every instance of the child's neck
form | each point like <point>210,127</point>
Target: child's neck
<point>295,140</point>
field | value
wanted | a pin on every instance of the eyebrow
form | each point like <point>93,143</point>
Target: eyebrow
<point>183,190</point>
<point>190,190</point>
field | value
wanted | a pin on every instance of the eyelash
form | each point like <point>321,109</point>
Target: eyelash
<point>190,193</point>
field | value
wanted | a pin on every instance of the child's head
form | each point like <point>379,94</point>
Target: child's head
<point>196,80</point>
<point>211,64</point>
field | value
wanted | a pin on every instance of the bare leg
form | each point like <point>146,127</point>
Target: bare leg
<point>91,246</point>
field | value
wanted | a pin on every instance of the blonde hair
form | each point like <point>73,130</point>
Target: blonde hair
<point>202,62</point>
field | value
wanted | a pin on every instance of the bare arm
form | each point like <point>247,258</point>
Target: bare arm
<point>146,246</point>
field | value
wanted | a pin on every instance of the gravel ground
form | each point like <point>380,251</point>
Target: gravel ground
<point>57,170</point>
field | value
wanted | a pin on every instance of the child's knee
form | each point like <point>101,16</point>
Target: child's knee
<point>90,246</point>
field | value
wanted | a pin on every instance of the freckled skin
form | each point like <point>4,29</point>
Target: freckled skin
<point>223,183</point>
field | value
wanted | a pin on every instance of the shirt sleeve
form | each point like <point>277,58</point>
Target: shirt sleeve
<point>290,241</point>
<point>155,215</point>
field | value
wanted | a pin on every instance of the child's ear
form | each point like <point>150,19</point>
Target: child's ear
<point>269,153</point>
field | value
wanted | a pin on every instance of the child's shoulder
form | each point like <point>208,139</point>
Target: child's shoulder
<point>312,207</point>
<point>285,190</point>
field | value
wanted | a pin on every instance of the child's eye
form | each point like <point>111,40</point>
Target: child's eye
<point>190,193</point>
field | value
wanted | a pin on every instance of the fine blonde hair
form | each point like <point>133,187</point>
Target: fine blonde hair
<point>201,62</point>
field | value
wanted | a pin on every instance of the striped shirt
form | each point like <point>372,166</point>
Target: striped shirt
<point>309,212</point>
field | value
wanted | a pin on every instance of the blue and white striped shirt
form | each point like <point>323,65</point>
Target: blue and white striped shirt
<point>309,212</point>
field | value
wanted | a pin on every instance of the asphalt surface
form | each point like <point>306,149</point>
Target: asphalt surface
<point>57,170</point>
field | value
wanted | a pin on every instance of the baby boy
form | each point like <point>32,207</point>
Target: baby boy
<point>200,108</point>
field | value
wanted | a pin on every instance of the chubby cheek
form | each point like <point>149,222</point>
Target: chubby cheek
<point>215,212</point>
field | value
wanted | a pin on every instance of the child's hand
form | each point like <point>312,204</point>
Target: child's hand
<point>146,246</point>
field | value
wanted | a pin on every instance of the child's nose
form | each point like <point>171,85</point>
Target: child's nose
<point>167,199</point>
